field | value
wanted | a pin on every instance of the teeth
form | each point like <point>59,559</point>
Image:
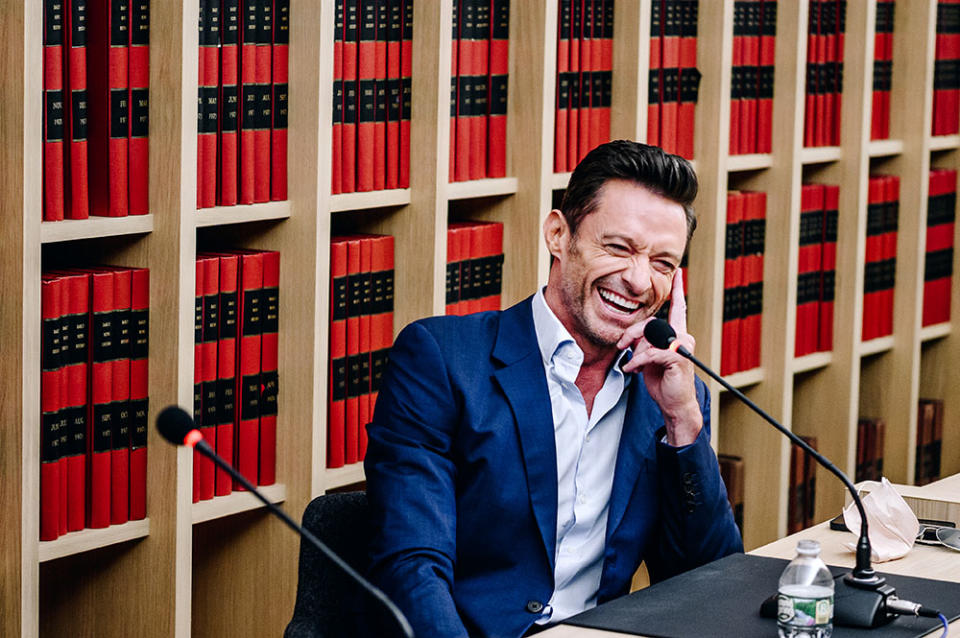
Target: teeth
<point>623,302</point>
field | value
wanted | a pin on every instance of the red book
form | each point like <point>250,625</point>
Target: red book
<point>808,269</point>
<point>480,69</point>
<point>606,66</point>
<point>249,100</point>
<point>586,78</point>
<point>336,172</point>
<point>107,81</point>
<point>394,106</point>
<point>348,144</point>
<point>813,71</point>
<point>497,82</point>
<point>575,101</point>
<point>103,336</point>
<point>200,285</point>
<point>454,105</point>
<point>828,266</point>
<point>840,7</point>
<point>751,64</point>
<point>754,227</point>
<point>891,214</point>
<point>406,74</point>
<point>874,259</point>
<point>473,269</point>
<point>365,327</point>
<point>53,111</point>
<point>280,72</point>
<point>139,82</point>
<point>670,89</point>
<point>140,321</point>
<point>337,384</point>
<point>491,262</point>
<point>354,299</point>
<point>824,62</point>
<point>227,367</point>
<point>269,368</point>
<point>596,80</point>
<point>207,124</point>
<point>459,234</point>
<point>732,286</point>
<point>381,317</point>
<point>768,37</point>
<point>453,272</point>
<point>655,82</point>
<point>51,409</point>
<point>264,96</point>
<point>367,87</point>
<point>250,322</point>
<point>120,454</point>
<point>466,18</point>
<point>229,102</point>
<point>209,334</point>
<point>688,79</point>
<point>736,80</point>
<point>380,95</point>
<point>561,124</point>
<point>75,109</point>
<point>76,308</point>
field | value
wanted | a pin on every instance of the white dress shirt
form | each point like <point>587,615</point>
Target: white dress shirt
<point>586,458</point>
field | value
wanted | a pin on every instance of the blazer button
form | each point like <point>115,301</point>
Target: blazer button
<point>534,606</point>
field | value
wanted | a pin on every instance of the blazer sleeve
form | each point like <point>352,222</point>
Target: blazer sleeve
<point>411,485</point>
<point>698,525</point>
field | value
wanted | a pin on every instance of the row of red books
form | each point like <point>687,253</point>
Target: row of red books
<point>361,333</point>
<point>929,440</point>
<point>802,489</point>
<point>946,69</point>
<point>882,71</point>
<point>824,90</point>
<point>478,89</point>
<point>938,263</point>
<point>883,211</point>
<point>751,88</point>
<point>674,81</point>
<point>584,80</point>
<point>474,267</point>
<point>743,281</point>
<point>372,92</point>
<point>242,102</point>
<point>732,473</point>
<point>816,268</point>
<point>871,433</point>
<point>96,71</point>
<point>235,376</point>
<point>93,395</point>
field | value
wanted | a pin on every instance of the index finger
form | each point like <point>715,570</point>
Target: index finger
<point>678,304</point>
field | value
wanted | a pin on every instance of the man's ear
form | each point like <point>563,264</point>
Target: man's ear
<point>556,233</point>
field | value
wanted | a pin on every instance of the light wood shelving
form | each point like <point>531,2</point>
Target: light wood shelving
<point>201,569</point>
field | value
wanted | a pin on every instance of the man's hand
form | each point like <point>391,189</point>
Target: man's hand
<point>667,375</point>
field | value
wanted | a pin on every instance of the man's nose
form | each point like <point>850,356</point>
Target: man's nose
<point>637,275</point>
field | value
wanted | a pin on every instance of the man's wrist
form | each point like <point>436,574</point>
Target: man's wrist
<point>683,425</point>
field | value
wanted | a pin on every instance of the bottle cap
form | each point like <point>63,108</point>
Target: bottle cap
<point>808,547</point>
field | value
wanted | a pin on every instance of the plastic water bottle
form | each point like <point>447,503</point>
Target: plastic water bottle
<point>805,595</point>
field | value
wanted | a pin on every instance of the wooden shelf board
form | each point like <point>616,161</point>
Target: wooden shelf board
<point>88,539</point>
<point>745,378</point>
<point>558,181</point>
<point>482,188</point>
<point>812,361</point>
<point>750,162</point>
<point>944,142</point>
<point>884,148</point>
<point>820,154</point>
<point>222,215</point>
<point>236,502</point>
<point>876,346</point>
<point>72,229</point>
<point>346,475</point>
<point>936,331</point>
<point>369,199</point>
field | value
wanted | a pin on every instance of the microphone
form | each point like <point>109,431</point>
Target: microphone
<point>177,427</point>
<point>863,602</point>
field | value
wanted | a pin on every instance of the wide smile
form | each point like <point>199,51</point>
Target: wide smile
<point>618,303</point>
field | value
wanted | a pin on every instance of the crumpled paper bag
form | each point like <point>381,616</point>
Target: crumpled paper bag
<point>892,525</point>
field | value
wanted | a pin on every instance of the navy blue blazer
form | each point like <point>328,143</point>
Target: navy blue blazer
<point>462,479</point>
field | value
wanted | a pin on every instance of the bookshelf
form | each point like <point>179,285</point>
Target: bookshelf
<point>209,563</point>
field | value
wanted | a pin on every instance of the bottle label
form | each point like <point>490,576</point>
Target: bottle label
<point>804,612</point>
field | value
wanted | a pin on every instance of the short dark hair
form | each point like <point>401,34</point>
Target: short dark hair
<point>661,173</point>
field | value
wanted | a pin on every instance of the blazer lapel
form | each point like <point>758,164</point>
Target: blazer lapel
<point>639,425</point>
<point>525,386</point>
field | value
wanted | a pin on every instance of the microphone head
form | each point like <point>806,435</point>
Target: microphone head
<point>659,333</point>
<point>174,424</point>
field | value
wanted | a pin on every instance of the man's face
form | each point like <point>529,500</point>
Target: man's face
<point>618,269</point>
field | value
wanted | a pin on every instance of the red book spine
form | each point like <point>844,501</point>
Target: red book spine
<point>563,87</point>
<point>831,203</point>
<point>348,143</point>
<point>808,268</point>
<point>229,101</point>
<point>465,50</point>
<point>688,78</point>
<point>354,299</point>
<point>670,89</point>
<point>891,218</point>
<point>380,95</point>
<point>768,38</point>
<point>751,64</point>
<point>209,334</point>
<point>754,217</point>
<point>269,369</point>
<point>76,352</point>
<point>227,368</point>
<point>199,287</point>
<point>337,382</point>
<point>207,124</point>
<point>732,285</point>
<point>453,271</point>
<point>497,83</point>
<point>53,111</point>
<point>264,95</point>
<point>250,322</point>
<point>394,92</point>
<point>655,82</point>
<point>120,454</point>
<point>454,92</point>
<point>837,88</point>
<point>586,78</point>
<point>367,91</point>
<point>888,9</point>
<point>492,266</point>
<point>336,173</point>
<point>107,60</point>
<point>813,72</point>
<point>51,404</point>
<point>249,103</point>
<point>736,80</point>
<point>596,79</point>
<point>363,380</point>
<point>823,52</point>
<point>279,86</point>
<point>874,257</point>
<point>139,81</point>
<point>76,109</point>
<point>606,65</point>
<point>461,239</point>
<point>381,321</point>
<point>477,253</point>
<point>573,114</point>
<point>139,374</point>
<point>406,74</point>
<point>100,415</point>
